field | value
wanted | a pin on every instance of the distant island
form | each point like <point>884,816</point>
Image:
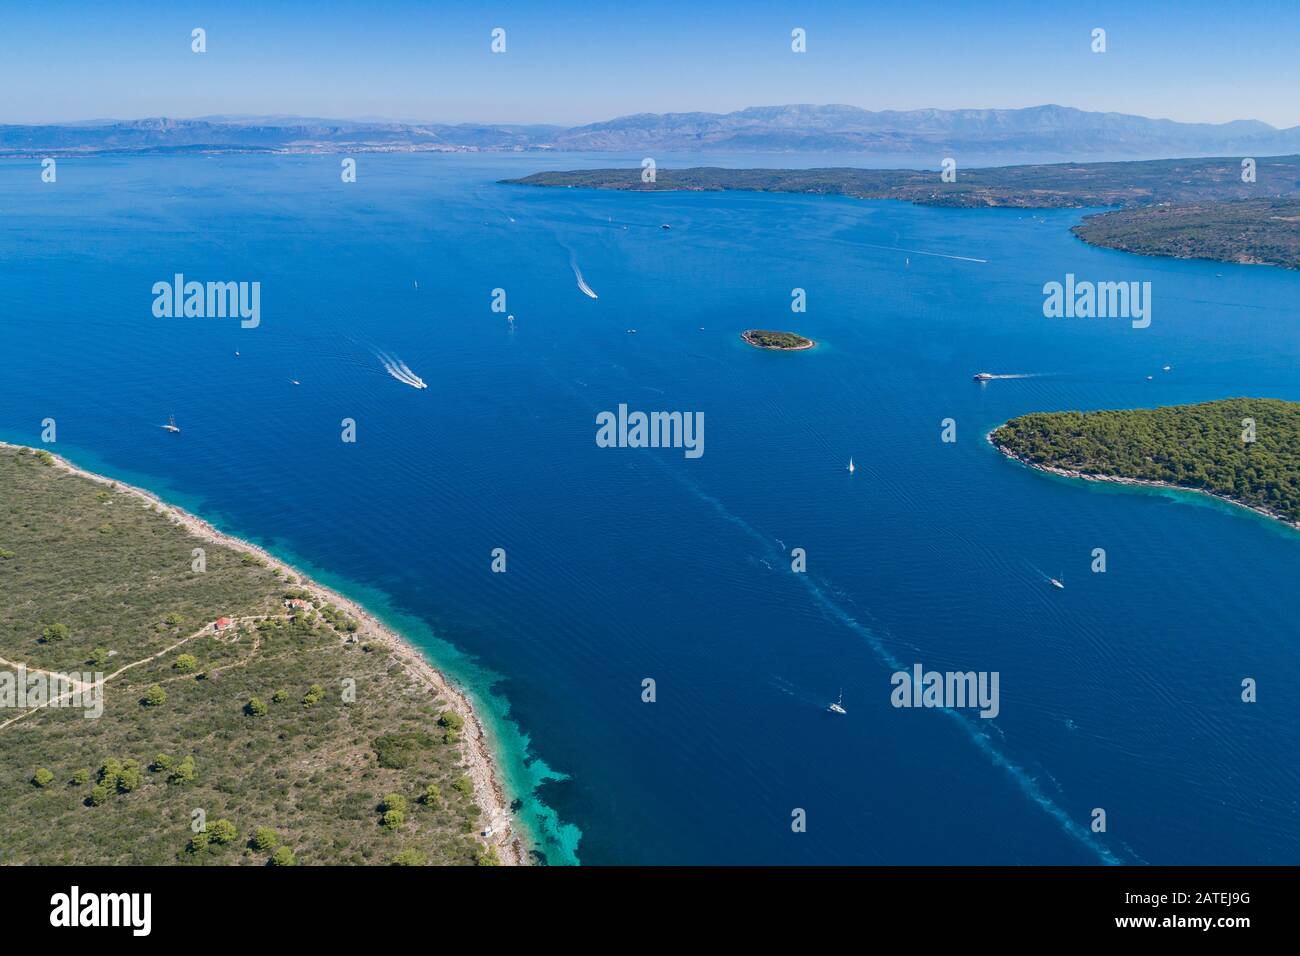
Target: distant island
<point>1192,447</point>
<point>1045,131</point>
<point>306,731</point>
<point>780,341</point>
<point>1173,207</point>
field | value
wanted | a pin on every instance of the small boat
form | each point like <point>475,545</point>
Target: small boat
<point>1150,377</point>
<point>417,285</point>
<point>983,377</point>
<point>295,381</point>
<point>1058,583</point>
<point>838,706</point>
<point>1167,368</point>
<point>850,466</point>
<point>236,355</point>
<point>665,226</point>
<point>171,425</point>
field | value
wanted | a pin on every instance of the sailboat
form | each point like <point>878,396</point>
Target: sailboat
<point>838,706</point>
<point>850,465</point>
<point>171,425</point>
<point>1058,582</point>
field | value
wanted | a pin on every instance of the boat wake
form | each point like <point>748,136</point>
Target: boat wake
<point>582,283</point>
<point>829,598</point>
<point>977,734</point>
<point>400,370</point>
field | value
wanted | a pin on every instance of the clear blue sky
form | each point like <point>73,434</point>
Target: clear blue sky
<point>574,62</point>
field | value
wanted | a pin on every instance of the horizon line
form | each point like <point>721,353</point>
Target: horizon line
<point>231,118</point>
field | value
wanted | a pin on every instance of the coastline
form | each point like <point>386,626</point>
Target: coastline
<point>745,336</point>
<point>480,763</point>
<point>1138,482</point>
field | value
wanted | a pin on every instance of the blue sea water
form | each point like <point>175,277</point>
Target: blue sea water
<point>1120,692</point>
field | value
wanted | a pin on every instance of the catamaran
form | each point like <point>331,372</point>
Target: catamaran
<point>838,706</point>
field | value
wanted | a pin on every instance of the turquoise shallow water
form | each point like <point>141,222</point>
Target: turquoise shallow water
<point>1120,692</point>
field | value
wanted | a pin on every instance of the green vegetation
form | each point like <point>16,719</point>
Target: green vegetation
<point>1190,446</point>
<point>312,773</point>
<point>1058,185</point>
<point>1189,208</point>
<point>1248,231</point>
<point>782,341</point>
<point>283,856</point>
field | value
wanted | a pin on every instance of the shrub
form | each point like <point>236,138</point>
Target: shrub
<point>130,778</point>
<point>256,707</point>
<point>42,777</point>
<point>409,858</point>
<point>394,801</point>
<point>98,656</point>
<point>264,838</point>
<point>184,771</point>
<point>174,619</point>
<point>280,696</point>
<point>464,784</point>
<point>223,832</point>
<point>100,794</point>
<point>432,795</point>
<point>198,843</point>
<point>54,633</point>
<point>186,664</point>
<point>283,856</point>
<point>160,763</point>
<point>393,819</point>
<point>155,696</point>
<point>81,777</point>
<point>7,555</point>
<point>314,693</point>
<point>452,724</point>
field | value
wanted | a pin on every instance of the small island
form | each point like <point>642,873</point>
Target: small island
<point>1243,450</point>
<point>778,341</point>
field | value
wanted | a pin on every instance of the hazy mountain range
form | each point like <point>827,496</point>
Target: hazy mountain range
<point>1042,130</point>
